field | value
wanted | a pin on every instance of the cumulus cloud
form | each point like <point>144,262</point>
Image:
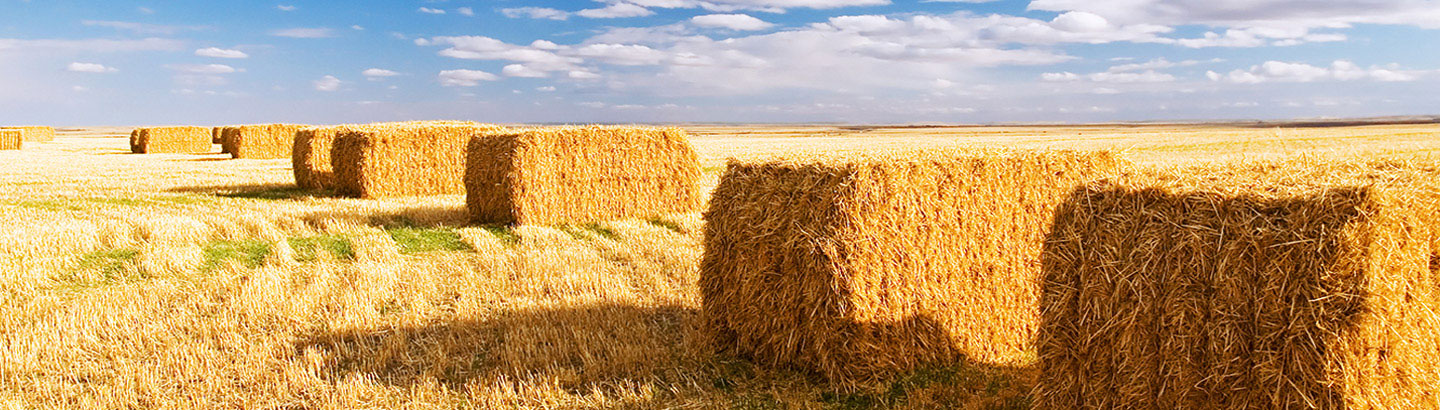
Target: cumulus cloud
<point>737,22</point>
<point>216,52</point>
<point>535,13</point>
<point>465,11</point>
<point>96,45</point>
<point>327,83</point>
<point>1340,70</point>
<point>376,74</point>
<point>78,67</point>
<point>464,78</point>
<point>284,7</point>
<point>1117,77</point>
<point>203,68</point>
<point>520,70</point>
<point>616,10</point>
<point>141,28</point>
<point>428,10</point>
<point>304,33</point>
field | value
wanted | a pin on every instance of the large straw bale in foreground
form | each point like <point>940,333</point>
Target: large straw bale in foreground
<point>865,265</point>
<point>170,140</point>
<point>35,133</point>
<point>407,159</point>
<point>1268,287</point>
<point>269,141</point>
<point>581,174</point>
<point>11,139</point>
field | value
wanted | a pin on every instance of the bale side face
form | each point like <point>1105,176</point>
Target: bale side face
<point>388,160</point>
<point>859,268</point>
<point>270,141</point>
<point>1168,295</point>
<point>11,139</point>
<point>311,158</point>
<point>581,175</point>
<point>35,133</point>
<point>171,140</point>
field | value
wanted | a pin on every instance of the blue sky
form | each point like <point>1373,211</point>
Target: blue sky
<point>853,61</point>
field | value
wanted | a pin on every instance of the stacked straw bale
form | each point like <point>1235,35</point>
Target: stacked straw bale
<point>35,133</point>
<point>11,139</point>
<point>403,159</point>
<point>868,264</point>
<point>581,174</point>
<point>172,140</point>
<point>311,155</point>
<point>1271,286</point>
<point>269,141</point>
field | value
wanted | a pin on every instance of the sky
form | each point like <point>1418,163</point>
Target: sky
<point>116,62</point>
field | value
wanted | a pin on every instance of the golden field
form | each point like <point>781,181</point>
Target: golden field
<point>198,281</point>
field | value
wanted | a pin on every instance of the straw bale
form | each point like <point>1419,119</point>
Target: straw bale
<point>35,133</point>
<point>215,135</point>
<point>159,140</point>
<point>867,264</point>
<point>227,138</point>
<point>269,141</point>
<point>11,139</point>
<point>581,174</point>
<point>311,155</point>
<point>1271,286</point>
<point>403,159</point>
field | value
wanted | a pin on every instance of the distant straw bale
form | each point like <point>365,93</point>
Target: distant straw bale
<point>227,138</point>
<point>864,265</point>
<point>215,135</point>
<point>403,159</point>
<point>11,139</point>
<point>269,141</point>
<point>311,155</point>
<point>171,140</point>
<point>35,133</point>
<point>581,174</point>
<point>1277,286</point>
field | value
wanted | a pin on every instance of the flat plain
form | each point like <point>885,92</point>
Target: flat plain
<point>198,281</point>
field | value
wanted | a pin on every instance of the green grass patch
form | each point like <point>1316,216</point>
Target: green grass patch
<point>276,193</point>
<point>968,380</point>
<point>310,248</point>
<point>671,225</point>
<point>506,236</point>
<point>250,253</point>
<point>578,232</point>
<point>100,268</point>
<point>81,204</point>
<point>412,239</point>
<point>715,169</point>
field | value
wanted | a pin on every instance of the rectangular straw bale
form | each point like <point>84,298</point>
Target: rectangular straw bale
<point>310,157</point>
<point>227,138</point>
<point>11,139</point>
<point>181,140</point>
<point>406,159</point>
<point>269,141</point>
<point>215,135</point>
<point>581,174</point>
<point>861,266</point>
<point>1270,287</point>
<point>35,133</point>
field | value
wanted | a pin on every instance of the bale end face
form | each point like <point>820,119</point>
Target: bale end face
<point>863,266</point>
<point>1171,294</point>
<point>310,158</point>
<point>581,175</point>
<point>35,133</point>
<point>11,139</point>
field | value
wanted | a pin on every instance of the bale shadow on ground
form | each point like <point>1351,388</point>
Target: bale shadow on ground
<point>257,191</point>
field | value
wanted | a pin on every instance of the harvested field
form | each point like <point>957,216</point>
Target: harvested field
<point>170,140</point>
<point>895,259</point>
<point>581,175</point>
<point>270,141</point>
<point>12,139</point>
<point>1303,284</point>
<point>196,282</point>
<point>35,133</point>
<point>388,160</point>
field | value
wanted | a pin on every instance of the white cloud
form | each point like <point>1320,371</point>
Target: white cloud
<point>96,45</point>
<point>520,70</point>
<point>1255,13</point>
<point>1158,64</point>
<point>145,10</point>
<point>621,54</point>
<point>357,27</point>
<point>304,33</point>
<point>738,22</point>
<point>78,67</point>
<point>616,10</point>
<point>465,11</point>
<point>464,78</point>
<point>1080,22</point>
<point>1340,70</point>
<point>203,68</point>
<point>535,13</point>
<point>327,83</point>
<point>216,52</point>
<point>545,89</point>
<point>141,28</point>
<point>428,10</point>
<point>284,7</point>
<point>376,74</point>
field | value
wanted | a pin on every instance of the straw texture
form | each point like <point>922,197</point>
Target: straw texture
<point>170,140</point>
<point>35,133</point>
<point>310,158</point>
<point>269,141</point>
<point>215,135</point>
<point>11,139</point>
<point>863,265</point>
<point>404,159</point>
<point>1260,286</point>
<point>581,174</point>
